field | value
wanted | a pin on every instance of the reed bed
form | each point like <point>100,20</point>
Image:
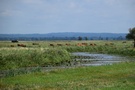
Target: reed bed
<point>25,57</point>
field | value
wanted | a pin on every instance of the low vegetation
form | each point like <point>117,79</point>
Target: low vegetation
<point>17,58</point>
<point>111,77</point>
<point>41,54</point>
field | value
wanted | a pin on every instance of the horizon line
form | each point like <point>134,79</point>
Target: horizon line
<point>65,32</point>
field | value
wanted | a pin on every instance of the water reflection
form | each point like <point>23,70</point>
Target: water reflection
<point>92,59</point>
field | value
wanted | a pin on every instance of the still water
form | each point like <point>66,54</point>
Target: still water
<point>94,59</point>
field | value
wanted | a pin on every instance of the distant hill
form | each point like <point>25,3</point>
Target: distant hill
<point>75,34</point>
<point>62,36</point>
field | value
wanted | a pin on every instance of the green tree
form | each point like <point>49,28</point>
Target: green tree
<point>86,38</point>
<point>131,34</point>
<point>79,38</point>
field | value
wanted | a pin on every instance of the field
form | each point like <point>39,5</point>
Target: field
<point>27,54</point>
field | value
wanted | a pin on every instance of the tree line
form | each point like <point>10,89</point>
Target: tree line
<point>61,38</point>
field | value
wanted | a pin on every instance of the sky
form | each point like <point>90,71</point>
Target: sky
<point>52,16</point>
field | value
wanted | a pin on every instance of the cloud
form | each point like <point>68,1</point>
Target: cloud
<point>69,14</point>
<point>11,13</point>
<point>6,13</point>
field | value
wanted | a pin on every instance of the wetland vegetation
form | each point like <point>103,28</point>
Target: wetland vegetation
<point>18,60</point>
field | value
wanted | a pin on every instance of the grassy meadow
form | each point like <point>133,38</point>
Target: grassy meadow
<point>119,76</point>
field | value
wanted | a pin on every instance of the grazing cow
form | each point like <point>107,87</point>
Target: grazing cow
<point>108,44</point>
<point>21,45</point>
<point>84,44</point>
<point>35,43</point>
<point>79,44</point>
<point>18,44</point>
<point>67,44</point>
<point>59,44</point>
<point>12,46</point>
<point>52,45</point>
<point>92,44</point>
<point>14,41</point>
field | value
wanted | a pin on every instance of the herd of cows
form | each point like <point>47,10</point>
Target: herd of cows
<point>58,44</point>
<point>80,44</point>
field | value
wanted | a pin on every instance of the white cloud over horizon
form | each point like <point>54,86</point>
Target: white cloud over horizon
<point>46,16</point>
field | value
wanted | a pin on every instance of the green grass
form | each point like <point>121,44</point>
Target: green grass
<point>17,58</point>
<point>111,77</point>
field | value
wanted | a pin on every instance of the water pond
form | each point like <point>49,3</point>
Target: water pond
<point>94,59</point>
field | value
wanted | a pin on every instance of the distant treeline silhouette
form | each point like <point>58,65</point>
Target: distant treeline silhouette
<point>60,38</point>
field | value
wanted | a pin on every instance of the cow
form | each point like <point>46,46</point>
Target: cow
<point>84,44</point>
<point>108,44</point>
<point>93,44</point>
<point>12,46</point>
<point>35,43</point>
<point>59,44</point>
<point>67,44</point>
<point>52,45</point>
<point>79,44</point>
<point>21,45</point>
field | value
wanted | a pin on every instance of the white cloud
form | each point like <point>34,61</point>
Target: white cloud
<point>11,13</point>
<point>66,13</point>
<point>6,13</point>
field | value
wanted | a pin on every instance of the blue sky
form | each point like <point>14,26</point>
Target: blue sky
<point>47,16</point>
